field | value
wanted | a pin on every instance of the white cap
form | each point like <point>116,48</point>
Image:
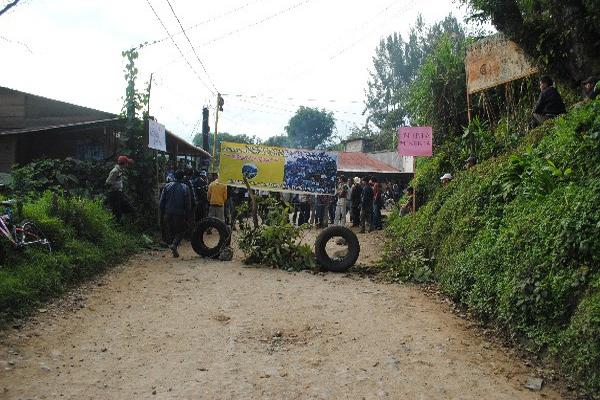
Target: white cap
<point>446,176</point>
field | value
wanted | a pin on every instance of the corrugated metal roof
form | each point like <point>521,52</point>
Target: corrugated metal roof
<point>185,146</point>
<point>362,163</point>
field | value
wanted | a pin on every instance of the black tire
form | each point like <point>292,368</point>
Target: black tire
<point>337,265</point>
<point>198,237</point>
<point>30,235</point>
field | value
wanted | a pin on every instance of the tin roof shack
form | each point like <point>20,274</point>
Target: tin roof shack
<point>34,127</point>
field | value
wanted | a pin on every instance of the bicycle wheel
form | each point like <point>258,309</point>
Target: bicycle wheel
<point>30,235</point>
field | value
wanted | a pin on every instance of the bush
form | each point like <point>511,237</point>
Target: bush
<point>275,242</point>
<point>516,240</point>
<point>84,239</point>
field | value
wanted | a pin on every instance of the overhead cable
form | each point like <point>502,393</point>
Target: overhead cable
<point>179,49</point>
<point>192,46</point>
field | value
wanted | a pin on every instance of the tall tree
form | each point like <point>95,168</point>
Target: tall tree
<point>561,35</point>
<point>278,141</point>
<point>310,128</point>
<point>396,66</point>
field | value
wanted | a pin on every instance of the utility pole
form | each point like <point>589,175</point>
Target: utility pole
<point>205,129</point>
<point>149,90</point>
<point>220,103</point>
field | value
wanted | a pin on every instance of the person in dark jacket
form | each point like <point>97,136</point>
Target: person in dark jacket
<point>176,204</point>
<point>356,193</point>
<point>591,88</point>
<point>549,104</point>
<point>366,205</point>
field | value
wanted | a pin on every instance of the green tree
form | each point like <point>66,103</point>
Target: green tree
<point>310,128</point>
<point>562,36</point>
<point>437,97</point>
<point>278,141</point>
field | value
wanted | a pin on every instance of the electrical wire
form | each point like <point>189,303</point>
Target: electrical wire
<point>204,22</point>
<point>192,46</point>
<point>179,49</point>
<point>230,33</point>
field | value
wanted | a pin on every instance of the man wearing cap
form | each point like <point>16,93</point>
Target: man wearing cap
<point>217,195</point>
<point>176,204</point>
<point>446,178</point>
<point>591,88</point>
<point>549,105</point>
<point>116,198</point>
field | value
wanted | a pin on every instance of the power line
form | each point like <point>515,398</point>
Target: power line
<point>251,96</point>
<point>192,46</point>
<point>177,46</point>
<point>256,23</point>
<point>204,22</point>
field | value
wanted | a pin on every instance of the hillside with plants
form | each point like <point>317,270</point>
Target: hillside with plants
<point>514,239</point>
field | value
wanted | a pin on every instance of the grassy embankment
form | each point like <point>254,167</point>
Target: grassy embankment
<point>85,241</point>
<point>517,240</point>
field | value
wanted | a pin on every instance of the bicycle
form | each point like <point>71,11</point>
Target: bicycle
<point>22,235</point>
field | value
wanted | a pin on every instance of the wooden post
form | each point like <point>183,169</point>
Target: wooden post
<point>214,150</point>
<point>414,196</point>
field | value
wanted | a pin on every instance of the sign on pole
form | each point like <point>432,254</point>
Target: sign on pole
<point>495,60</point>
<point>415,141</point>
<point>278,169</point>
<point>156,136</point>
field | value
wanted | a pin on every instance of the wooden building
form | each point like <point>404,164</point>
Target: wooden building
<point>34,127</point>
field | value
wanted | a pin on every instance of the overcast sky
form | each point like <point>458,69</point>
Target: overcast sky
<point>267,56</point>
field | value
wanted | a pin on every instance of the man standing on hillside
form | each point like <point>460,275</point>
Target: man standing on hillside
<point>549,104</point>
<point>116,198</point>
<point>217,196</point>
<point>176,204</point>
<point>591,88</point>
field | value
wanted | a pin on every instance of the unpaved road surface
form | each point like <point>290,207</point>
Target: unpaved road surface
<point>158,328</point>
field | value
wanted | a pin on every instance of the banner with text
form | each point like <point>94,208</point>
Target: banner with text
<point>416,141</point>
<point>156,136</point>
<point>278,169</point>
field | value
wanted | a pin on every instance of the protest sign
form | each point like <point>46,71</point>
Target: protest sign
<point>415,141</point>
<point>278,169</point>
<point>156,136</point>
<point>495,60</point>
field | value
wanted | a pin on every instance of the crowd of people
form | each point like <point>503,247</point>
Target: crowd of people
<point>357,202</point>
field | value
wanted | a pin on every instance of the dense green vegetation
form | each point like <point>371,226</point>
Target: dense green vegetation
<point>84,238</point>
<point>516,238</point>
<point>276,241</point>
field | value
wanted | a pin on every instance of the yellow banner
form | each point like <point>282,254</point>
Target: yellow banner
<point>278,169</point>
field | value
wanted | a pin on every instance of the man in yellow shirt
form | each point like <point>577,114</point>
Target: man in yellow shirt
<point>217,195</point>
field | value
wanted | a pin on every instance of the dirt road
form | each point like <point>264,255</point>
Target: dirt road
<point>190,328</point>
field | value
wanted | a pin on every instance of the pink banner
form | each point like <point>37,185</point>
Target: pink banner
<point>415,141</point>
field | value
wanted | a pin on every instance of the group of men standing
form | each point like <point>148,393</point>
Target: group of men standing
<point>360,199</point>
<point>184,198</point>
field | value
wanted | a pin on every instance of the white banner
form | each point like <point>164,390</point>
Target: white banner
<point>156,136</point>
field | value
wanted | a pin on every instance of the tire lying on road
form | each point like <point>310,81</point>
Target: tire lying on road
<point>337,264</point>
<point>197,238</point>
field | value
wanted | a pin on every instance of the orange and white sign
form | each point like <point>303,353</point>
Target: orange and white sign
<point>493,61</point>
